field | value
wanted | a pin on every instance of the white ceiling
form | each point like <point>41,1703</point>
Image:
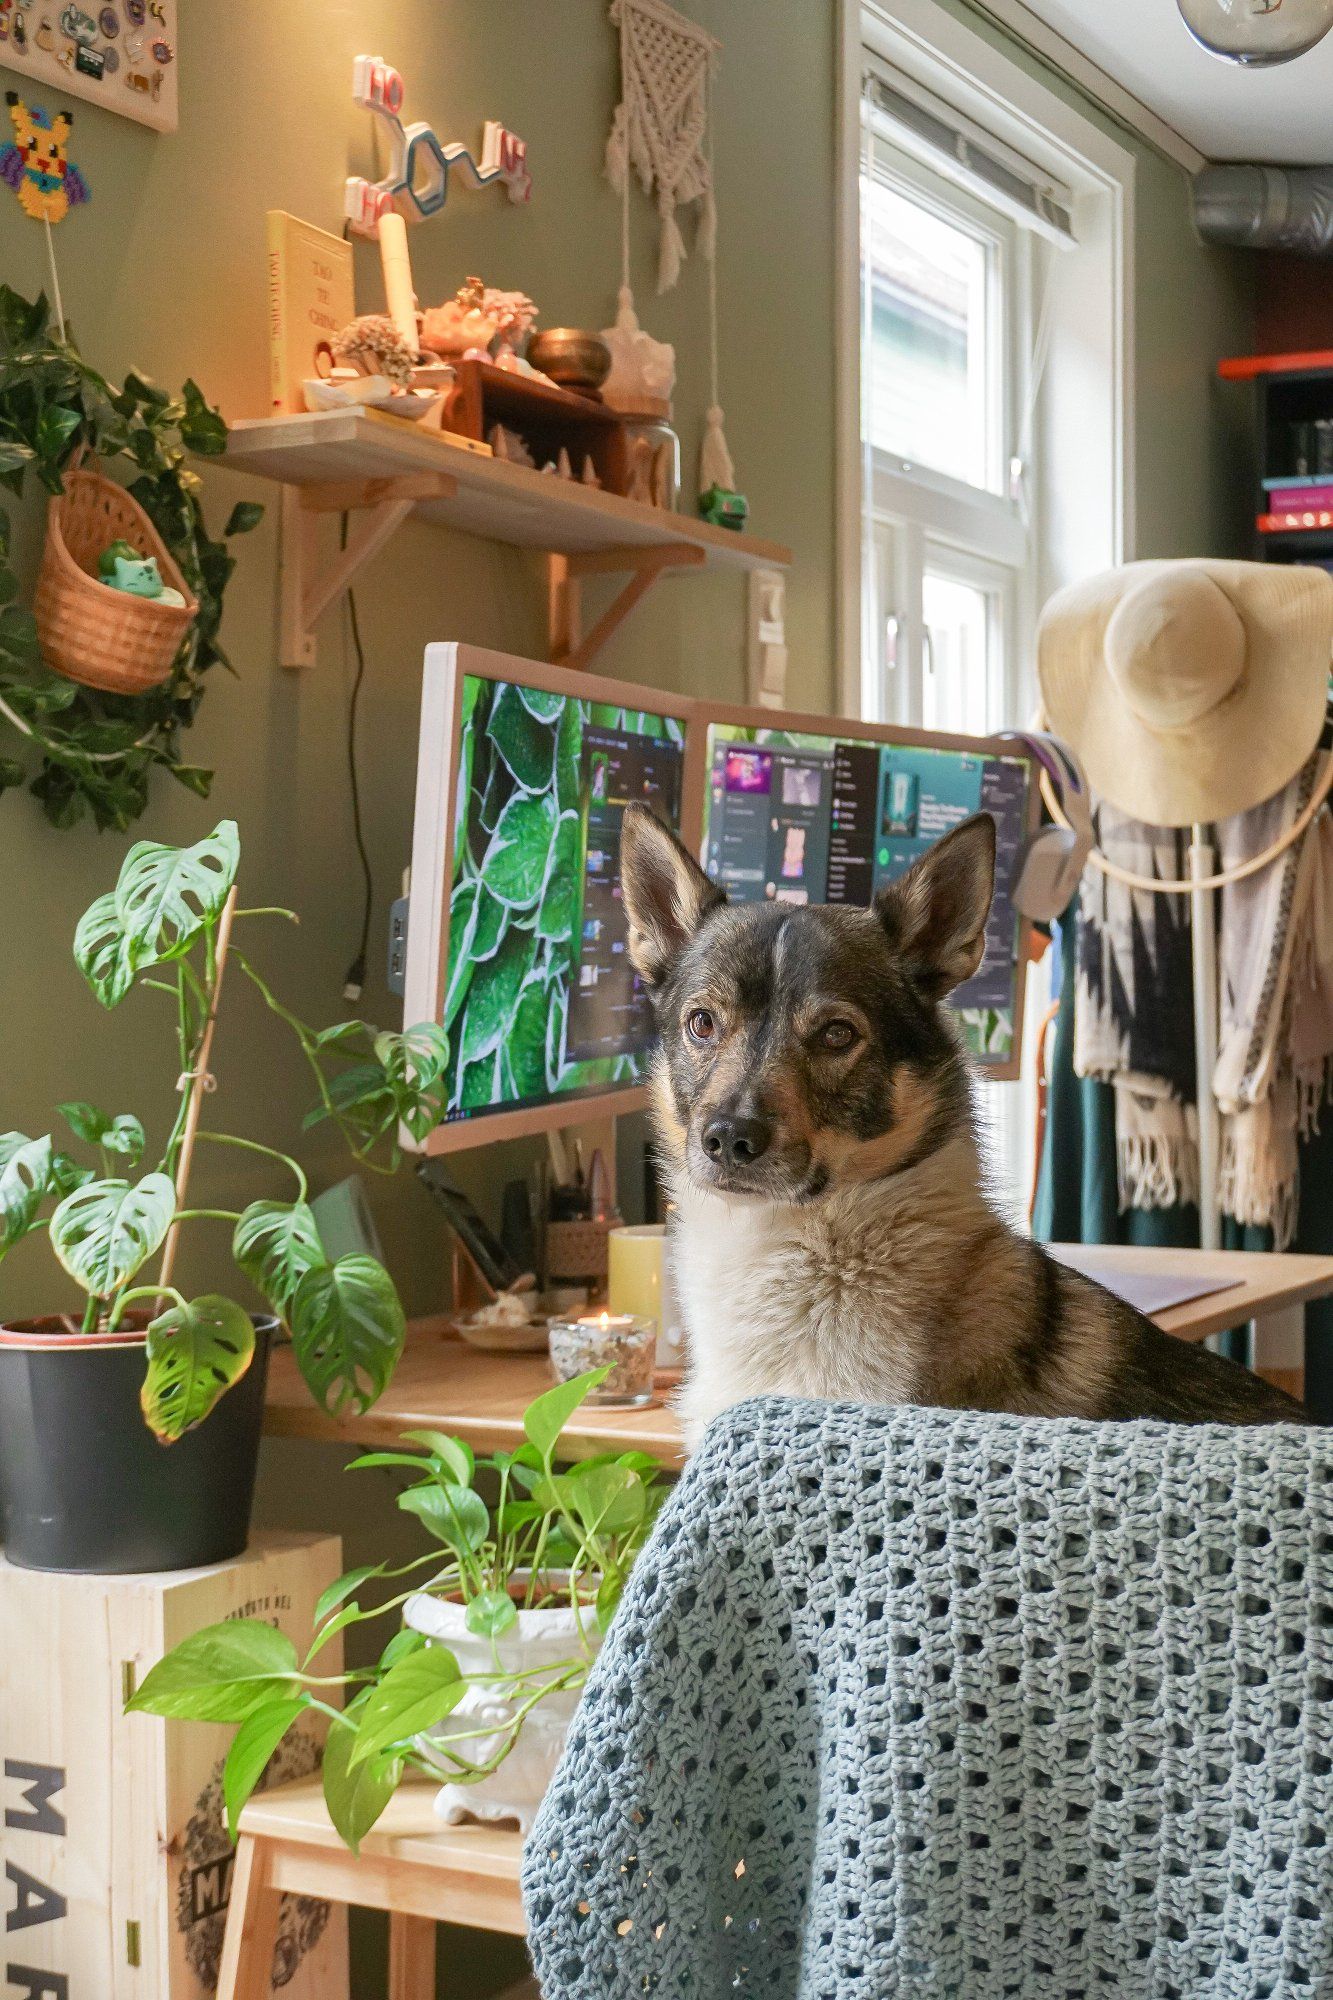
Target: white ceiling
<point>1228,113</point>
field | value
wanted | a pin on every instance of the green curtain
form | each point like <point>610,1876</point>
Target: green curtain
<point>1076,1190</point>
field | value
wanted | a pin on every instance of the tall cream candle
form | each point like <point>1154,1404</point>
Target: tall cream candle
<point>397,267</point>
<point>639,1282</point>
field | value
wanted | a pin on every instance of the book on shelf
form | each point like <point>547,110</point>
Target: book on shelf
<point>1291,520</point>
<point>310,297</point>
<point>1301,499</point>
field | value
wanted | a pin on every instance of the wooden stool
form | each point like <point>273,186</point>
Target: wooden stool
<point>410,1865</point>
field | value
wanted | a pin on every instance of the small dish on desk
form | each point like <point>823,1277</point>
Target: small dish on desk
<point>510,1324</point>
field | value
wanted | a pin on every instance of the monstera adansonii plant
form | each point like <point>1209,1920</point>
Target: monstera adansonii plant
<point>159,931</point>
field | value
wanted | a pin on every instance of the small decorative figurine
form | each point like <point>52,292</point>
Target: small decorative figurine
<point>122,567</point>
<point>373,346</point>
<point>724,508</point>
<point>38,167</point>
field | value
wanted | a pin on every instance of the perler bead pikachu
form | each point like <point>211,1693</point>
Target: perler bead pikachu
<point>37,166</point>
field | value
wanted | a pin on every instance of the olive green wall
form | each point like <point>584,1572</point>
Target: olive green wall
<point>165,272</point>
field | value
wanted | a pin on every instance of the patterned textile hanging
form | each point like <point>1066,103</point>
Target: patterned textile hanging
<point>660,126</point>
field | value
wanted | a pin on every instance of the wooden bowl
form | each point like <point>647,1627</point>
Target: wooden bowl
<point>571,357</point>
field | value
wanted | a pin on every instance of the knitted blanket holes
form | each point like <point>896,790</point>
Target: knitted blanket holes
<point>911,1702</point>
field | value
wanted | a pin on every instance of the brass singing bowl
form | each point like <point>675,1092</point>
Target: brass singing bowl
<point>575,359</point>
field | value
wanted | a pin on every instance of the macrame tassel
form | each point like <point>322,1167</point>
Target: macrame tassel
<point>671,251</point>
<point>715,466</point>
<point>617,150</point>
<point>708,225</point>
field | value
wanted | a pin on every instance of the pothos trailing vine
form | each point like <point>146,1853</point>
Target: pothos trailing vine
<point>159,929</point>
<point>545,1539</point>
<point>95,752</point>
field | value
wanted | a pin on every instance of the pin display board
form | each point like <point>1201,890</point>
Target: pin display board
<point>122,55</point>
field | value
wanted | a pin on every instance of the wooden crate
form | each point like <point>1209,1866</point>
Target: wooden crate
<point>118,1867</point>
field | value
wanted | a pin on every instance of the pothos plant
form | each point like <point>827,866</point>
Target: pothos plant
<point>544,1539</point>
<point>94,751</point>
<point>158,932</point>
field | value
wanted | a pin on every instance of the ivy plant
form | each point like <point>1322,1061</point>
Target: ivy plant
<point>543,1538</point>
<point>80,751</point>
<point>157,932</point>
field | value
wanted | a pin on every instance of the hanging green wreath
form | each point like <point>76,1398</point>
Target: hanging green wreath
<point>95,752</point>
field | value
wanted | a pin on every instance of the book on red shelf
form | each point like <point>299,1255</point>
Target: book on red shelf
<point>1298,497</point>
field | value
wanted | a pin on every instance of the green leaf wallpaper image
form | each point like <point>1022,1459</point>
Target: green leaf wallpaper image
<point>516,910</point>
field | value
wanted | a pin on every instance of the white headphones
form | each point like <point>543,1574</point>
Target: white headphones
<point>1050,861</point>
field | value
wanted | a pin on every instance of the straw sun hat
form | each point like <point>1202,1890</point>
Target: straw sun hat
<point>1189,690</point>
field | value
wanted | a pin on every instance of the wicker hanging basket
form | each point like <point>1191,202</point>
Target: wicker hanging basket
<point>89,632</point>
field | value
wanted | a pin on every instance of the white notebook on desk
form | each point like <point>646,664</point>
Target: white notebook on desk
<point>1148,1292</point>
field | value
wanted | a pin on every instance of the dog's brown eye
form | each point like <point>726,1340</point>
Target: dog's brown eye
<point>836,1036</point>
<point>700,1025</point>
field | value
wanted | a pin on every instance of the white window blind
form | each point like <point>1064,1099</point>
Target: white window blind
<point>910,116</point>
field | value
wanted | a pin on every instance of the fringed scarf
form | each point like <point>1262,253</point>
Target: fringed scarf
<point>1134,1008</point>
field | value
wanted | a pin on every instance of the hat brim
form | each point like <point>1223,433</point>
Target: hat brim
<point>1238,754</point>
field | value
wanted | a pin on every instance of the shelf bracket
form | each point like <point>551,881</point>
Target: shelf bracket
<point>305,592</point>
<point>564,576</point>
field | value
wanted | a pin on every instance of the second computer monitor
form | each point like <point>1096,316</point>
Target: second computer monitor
<point>796,815</point>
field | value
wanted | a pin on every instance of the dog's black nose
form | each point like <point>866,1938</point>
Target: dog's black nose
<point>736,1142</point>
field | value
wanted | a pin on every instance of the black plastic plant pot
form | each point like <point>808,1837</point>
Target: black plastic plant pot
<point>86,1488</point>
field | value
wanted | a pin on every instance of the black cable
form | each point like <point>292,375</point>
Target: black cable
<point>356,972</point>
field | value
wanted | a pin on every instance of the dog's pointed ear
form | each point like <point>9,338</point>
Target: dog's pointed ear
<point>667,895</point>
<point>935,914</point>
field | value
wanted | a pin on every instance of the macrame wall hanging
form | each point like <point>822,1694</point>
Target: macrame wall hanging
<point>663,130</point>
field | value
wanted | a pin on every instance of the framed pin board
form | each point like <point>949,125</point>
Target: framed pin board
<point>122,54</point>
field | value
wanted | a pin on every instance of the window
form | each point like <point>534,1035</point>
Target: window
<point>985,401</point>
<point>934,287</point>
<point>945,283</point>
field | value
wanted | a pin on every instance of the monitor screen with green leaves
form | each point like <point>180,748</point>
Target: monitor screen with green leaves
<point>542,1007</point>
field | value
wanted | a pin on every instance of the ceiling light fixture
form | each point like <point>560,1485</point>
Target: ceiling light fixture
<point>1257,33</point>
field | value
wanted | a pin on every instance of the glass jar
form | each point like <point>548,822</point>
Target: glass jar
<point>618,1341</point>
<point>652,456</point>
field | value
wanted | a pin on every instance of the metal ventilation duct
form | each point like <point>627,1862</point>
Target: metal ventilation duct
<point>1266,208</point>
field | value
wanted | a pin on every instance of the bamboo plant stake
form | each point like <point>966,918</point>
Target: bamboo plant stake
<point>200,1081</point>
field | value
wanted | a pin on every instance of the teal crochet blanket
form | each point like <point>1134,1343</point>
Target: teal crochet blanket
<point>901,1702</point>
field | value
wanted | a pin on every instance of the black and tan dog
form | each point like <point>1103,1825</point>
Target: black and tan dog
<point>814,1116</point>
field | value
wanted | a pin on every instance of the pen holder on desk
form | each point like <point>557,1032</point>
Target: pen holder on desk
<point>577,1251</point>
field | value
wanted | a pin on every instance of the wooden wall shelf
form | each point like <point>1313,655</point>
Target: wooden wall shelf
<point>386,470</point>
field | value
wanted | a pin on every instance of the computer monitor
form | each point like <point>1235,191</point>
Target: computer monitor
<point>802,809</point>
<point>517,933</point>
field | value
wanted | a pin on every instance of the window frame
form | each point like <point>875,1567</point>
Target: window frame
<point>1081,486</point>
<point>1092,522</point>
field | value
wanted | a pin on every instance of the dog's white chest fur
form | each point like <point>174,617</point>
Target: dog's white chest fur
<point>828,1301</point>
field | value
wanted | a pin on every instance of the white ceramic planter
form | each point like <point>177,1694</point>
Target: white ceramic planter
<point>536,1639</point>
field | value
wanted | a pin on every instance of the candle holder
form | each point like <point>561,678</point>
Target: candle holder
<point>619,1341</point>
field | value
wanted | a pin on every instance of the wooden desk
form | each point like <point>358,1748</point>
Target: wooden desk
<point>441,1384</point>
<point>1262,1283</point>
<point>444,1385</point>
